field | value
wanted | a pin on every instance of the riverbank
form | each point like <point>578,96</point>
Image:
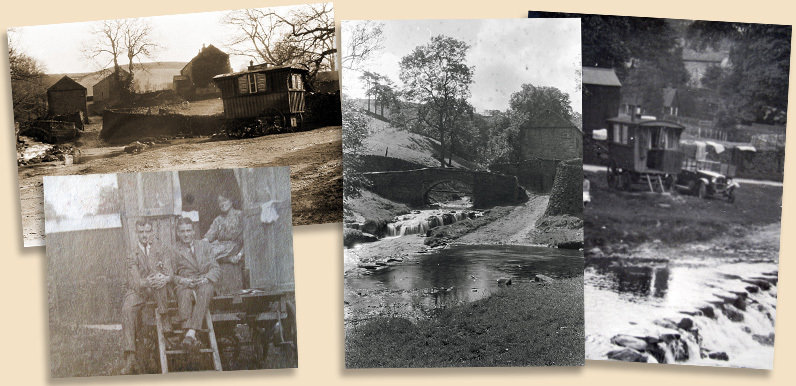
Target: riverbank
<point>526,324</point>
<point>617,227</point>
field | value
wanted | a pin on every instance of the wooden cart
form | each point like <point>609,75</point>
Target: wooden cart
<point>262,100</point>
<point>643,151</point>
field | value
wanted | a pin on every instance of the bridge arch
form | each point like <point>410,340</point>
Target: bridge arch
<point>412,186</point>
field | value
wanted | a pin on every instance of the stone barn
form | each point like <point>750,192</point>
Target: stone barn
<point>195,79</point>
<point>551,137</point>
<point>109,90</point>
<point>601,97</point>
<point>67,96</point>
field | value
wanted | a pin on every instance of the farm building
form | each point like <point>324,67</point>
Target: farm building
<point>551,137</point>
<point>67,96</point>
<point>601,97</point>
<point>110,89</point>
<point>195,79</point>
<point>671,102</point>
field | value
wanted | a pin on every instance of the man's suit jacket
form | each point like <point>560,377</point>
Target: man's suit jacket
<point>141,265</point>
<point>197,264</point>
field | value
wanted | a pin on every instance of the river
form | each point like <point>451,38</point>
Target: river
<point>449,277</point>
<point>649,298</point>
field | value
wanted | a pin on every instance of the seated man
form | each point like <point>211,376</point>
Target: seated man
<point>148,272</point>
<point>196,272</point>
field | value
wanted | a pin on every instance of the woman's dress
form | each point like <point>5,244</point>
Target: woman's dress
<point>226,240</point>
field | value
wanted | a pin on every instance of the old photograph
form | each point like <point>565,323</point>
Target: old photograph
<point>684,150</point>
<point>241,88</point>
<point>463,226</point>
<point>170,271</point>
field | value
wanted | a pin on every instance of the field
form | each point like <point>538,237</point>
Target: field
<point>617,222</point>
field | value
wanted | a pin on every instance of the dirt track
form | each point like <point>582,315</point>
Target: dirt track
<point>315,159</point>
<point>513,229</point>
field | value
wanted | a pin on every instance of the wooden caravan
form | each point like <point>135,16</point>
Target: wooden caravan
<point>263,99</point>
<point>643,150</point>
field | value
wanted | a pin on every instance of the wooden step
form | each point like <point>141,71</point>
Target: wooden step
<point>204,350</point>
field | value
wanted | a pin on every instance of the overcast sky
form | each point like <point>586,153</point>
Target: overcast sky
<point>181,37</point>
<point>506,53</point>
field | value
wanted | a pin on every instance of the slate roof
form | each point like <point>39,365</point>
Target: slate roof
<point>66,84</point>
<point>600,76</point>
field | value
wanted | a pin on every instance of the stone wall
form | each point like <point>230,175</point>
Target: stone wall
<point>536,175</point>
<point>566,198</point>
<point>121,128</point>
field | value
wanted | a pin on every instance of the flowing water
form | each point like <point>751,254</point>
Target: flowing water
<point>731,304</point>
<point>453,276</point>
<point>420,221</point>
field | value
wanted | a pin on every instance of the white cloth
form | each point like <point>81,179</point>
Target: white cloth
<point>700,152</point>
<point>600,135</point>
<point>586,197</point>
<point>746,148</point>
<point>717,146</point>
<point>268,212</point>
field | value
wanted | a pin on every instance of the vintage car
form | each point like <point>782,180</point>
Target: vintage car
<point>704,183</point>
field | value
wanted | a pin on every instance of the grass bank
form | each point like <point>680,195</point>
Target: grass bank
<point>617,221</point>
<point>371,211</point>
<point>527,324</point>
<point>447,233</point>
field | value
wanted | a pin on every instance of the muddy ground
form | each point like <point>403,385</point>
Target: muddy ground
<point>314,156</point>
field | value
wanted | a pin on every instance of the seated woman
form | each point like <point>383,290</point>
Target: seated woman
<point>226,240</point>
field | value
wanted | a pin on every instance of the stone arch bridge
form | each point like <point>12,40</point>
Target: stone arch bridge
<point>412,186</point>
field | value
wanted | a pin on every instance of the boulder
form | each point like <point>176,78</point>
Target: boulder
<point>719,356</point>
<point>708,311</point>
<point>665,323</point>
<point>542,278</point>
<point>628,355</point>
<point>504,281</point>
<point>732,314</point>
<point>686,324</point>
<point>628,341</point>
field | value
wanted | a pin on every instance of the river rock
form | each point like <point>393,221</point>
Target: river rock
<point>765,340</point>
<point>719,356</point>
<point>752,289</point>
<point>686,324</point>
<point>708,311</point>
<point>628,341</point>
<point>665,323</point>
<point>732,314</point>
<point>595,253</point>
<point>542,278</point>
<point>504,281</point>
<point>628,355</point>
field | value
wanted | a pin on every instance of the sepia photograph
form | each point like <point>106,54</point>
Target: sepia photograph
<point>240,88</point>
<point>170,271</point>
<point>684,154</point>
<point>462,165</point>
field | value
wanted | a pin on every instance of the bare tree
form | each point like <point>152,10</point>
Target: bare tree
<point>138,40</point>
<point>303,36</point>
<point>115,39</point>
<point>363,40</point>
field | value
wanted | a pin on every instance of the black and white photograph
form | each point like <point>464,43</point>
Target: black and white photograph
<point>170,271</point>
<point>463,228</point>
<point>241,88</point>
<point>684,153</point>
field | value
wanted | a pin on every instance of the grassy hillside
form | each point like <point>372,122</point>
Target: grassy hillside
<point>407,146</point>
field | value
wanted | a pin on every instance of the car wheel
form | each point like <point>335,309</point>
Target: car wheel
<point>703,190</point>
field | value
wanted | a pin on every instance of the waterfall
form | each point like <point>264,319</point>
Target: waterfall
<point>420,222</point>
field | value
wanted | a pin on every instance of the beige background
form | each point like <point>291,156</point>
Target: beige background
<point>24,352</point>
